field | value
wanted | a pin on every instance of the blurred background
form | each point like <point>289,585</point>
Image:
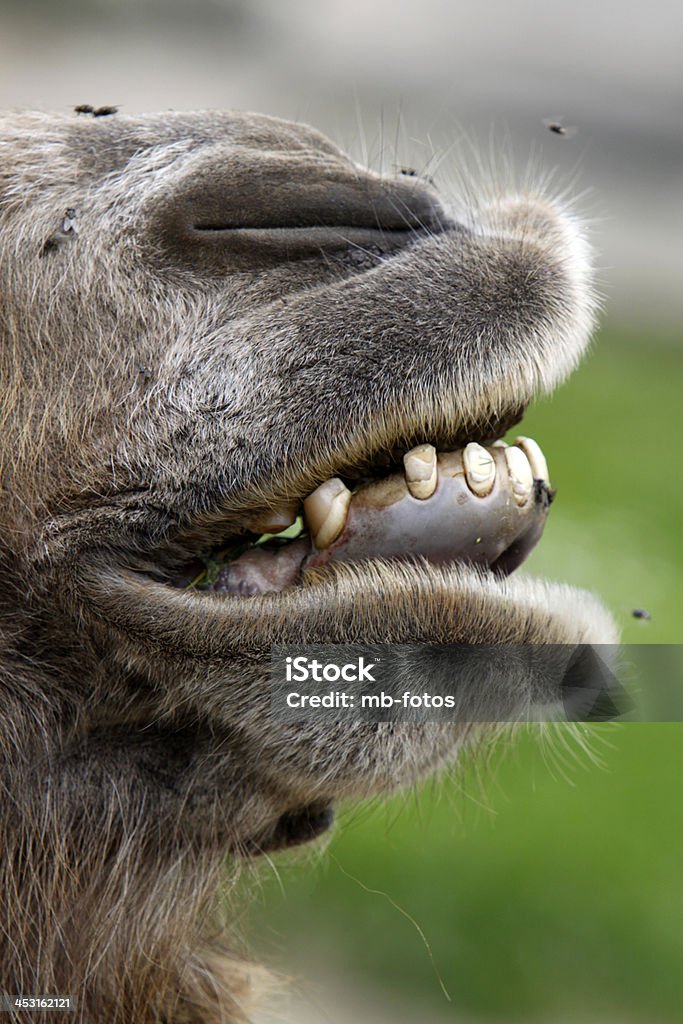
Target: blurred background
<point>546,884</point>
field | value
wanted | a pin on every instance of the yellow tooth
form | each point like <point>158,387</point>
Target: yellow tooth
<point>480,469</point>
<point>420,470</point>
<point>521,477</point>
<point>539,466</point>
<point>499,444</point>
<point>275,520</point>
<point>325,511</point>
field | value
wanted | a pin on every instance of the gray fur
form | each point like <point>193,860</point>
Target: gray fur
<point>159,383</point>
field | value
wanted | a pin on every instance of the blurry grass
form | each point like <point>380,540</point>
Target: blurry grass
<point>611,438</point>
<point>553,889</point>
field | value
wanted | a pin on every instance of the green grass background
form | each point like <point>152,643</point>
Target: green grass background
<point>549,887</point>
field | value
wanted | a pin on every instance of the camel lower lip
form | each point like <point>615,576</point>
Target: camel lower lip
<point>482,506</point>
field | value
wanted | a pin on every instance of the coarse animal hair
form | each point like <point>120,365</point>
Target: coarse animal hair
<point>203,316</point>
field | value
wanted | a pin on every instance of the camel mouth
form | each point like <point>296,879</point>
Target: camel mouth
<point>484,505</point>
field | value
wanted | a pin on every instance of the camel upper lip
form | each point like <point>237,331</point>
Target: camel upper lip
<point>376,460</point>
<point>224,522</point>
<point>174,541</point>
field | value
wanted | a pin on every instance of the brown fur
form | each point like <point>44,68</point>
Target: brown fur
<point>160,382</point>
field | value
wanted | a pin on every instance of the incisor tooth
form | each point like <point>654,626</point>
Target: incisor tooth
<point>420,470</point>
<point>499,444</point>
<point>521,477</point>
<point>537,461</point>
<point>276,519</point>
<point>480,469</point>
<point>325,511</point>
